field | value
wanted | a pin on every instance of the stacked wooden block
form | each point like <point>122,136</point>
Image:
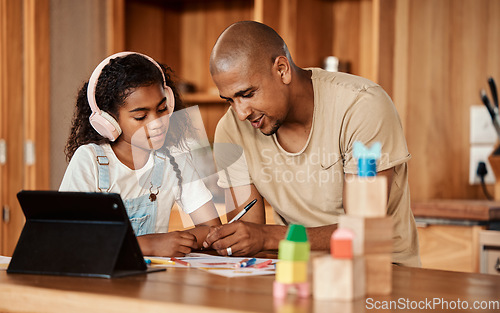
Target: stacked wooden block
<point>361,247</point>
<point>291,270</point>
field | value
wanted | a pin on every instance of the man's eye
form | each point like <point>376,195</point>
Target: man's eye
<point>248,95</point>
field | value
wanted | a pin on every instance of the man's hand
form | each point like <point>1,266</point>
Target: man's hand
<point>244,238</point>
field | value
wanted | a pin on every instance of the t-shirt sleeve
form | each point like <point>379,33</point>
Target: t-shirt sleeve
<point>194,191</point>
<point>373,118</point>
<point>229,155</point>
<point>81,173</point>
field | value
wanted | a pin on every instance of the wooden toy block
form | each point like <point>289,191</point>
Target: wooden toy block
<point>280,290</point>
<point>291,272</point>
<point>372,234</point>
<point>341,243</point>
<point>378,269</point>
<point>366,196</point>
<point>294,251</point>
<point>338,279</point>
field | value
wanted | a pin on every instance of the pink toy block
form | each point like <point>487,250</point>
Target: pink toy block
<point>280,290</point>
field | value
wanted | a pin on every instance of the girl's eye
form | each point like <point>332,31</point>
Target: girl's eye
<point>140,118</point>
<point>163,107</point>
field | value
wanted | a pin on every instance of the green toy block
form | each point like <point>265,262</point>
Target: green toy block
<point>296,233</point>
<point>294,251</point>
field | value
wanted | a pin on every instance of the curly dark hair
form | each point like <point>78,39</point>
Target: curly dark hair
<point>116,82</point>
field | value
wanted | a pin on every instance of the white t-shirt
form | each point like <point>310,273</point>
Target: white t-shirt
<point>82,175</point>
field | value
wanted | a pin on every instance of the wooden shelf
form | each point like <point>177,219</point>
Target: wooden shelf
<point>474,210</point>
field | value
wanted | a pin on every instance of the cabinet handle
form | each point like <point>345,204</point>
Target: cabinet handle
<point>6,214</point>
<point>497,266</point>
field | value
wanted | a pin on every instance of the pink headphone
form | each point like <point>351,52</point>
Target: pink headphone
<point>102,121</point>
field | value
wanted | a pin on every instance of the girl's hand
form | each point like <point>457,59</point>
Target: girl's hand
<point>176,243</point>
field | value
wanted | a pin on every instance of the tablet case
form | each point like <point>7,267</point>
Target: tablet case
<point>76,234</point>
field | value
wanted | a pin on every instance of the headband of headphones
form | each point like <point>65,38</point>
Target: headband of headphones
<point>103,122</point>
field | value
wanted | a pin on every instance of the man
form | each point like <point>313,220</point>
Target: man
<point>297,128</point>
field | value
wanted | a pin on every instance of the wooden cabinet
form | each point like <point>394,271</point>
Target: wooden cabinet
<point>24,109</point>
<point>449,232</point>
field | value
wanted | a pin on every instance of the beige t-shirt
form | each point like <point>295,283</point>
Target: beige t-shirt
<point>306,187</point>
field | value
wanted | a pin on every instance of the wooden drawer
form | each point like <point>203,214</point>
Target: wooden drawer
<point>449,247</point>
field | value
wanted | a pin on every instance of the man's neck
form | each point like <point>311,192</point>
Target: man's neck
<point>294,133</point>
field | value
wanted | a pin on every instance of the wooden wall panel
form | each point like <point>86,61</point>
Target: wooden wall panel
<point>36,91</point>
<point>115,26</point>
<point>314,33</point>
<point>346,33</point>
<point>145,30</point>
<point>453,46</point>
<point>201,24</point>
<point>11,119</point>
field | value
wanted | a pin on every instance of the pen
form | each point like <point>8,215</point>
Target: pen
<point>158,261</point>
<point>180,261</point>
<point>245,210</point>
<point>249,263</point>
<point>263,264</point>
<point>493,89</point>
<point>240,262</point>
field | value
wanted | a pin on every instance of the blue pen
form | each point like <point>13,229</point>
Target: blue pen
<point>248,263</point>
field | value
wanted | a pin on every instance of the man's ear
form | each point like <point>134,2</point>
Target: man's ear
<point>283,69</point>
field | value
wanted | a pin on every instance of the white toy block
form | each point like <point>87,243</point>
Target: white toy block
<point>366,196</point>
<point>338,279</point>
<point>372,235</point>
<point>378,271</point>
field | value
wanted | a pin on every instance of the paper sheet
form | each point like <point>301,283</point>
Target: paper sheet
<point>220,265</point>
<point>4,262</point>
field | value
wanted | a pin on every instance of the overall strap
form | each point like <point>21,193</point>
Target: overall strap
<point>158,170</point>
<point>102,168</point>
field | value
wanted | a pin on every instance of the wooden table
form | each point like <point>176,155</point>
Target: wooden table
<point>193,290</point>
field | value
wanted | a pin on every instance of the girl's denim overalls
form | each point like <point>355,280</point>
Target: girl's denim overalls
<point>141,211</point>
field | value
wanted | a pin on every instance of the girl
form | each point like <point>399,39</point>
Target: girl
<point>119,143</point>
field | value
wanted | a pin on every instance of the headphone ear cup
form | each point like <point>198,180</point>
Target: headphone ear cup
<point>170,98</point>
<point>105,125</point>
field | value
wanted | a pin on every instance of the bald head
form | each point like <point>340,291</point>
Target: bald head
<point>247,44</point>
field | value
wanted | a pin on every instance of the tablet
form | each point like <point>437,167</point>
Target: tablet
<point>76,234</point>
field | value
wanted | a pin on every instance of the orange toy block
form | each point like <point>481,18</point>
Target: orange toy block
<point>341,243</point>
